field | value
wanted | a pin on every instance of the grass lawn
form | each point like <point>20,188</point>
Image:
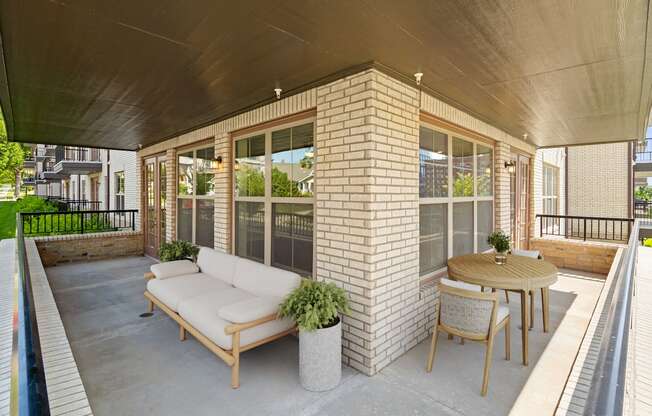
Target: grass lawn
<point>7,219</point>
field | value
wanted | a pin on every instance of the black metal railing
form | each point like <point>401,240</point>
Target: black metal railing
<point>76,154</point>
<point>585,228</point>
<point>607,389</point>
<point>29,390</point>
<point>76,222</point>
<point>643,209</point>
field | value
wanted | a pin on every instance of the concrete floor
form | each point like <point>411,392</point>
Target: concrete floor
<point>136,366</point>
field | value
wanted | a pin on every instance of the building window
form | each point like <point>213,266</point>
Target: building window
<point>550,193</point>
<point>455,197</point>
<point>120,190</point>
<point>273,192</point>
<point>195,194</point>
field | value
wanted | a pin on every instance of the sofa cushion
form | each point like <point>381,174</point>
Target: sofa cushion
<point>217,264</point>
<point>250,309</point>
<point>173,290</point>
<point>173,268</point>
<point>264,280</point>
<point>202,312</point>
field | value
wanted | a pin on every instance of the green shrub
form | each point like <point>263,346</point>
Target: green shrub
<point>34,204</point>
<point>178,250</point>
<point>499,241</point>
<point>315,305</point>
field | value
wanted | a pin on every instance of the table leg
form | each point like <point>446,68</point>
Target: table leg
<point>525,320</point>
<point>545,305</point>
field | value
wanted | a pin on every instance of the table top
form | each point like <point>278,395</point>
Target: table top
<point>520,272</point>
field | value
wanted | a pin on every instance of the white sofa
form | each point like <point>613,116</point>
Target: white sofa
<point>228,303</point>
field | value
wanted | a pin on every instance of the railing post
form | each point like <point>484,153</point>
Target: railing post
<point>133,221</point>
<point>540,226</point>
<point>584,229</point>
<point>81,219</point>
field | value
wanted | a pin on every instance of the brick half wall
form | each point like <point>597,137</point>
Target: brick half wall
<point>589,256</point>
<point>88,247</point>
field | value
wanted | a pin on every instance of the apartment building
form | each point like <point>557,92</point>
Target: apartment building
<point>97,178</point>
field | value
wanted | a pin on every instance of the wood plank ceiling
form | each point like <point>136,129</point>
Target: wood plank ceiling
<point>125,73</point>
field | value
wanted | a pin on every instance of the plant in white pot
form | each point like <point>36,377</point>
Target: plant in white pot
<point>316,308</point>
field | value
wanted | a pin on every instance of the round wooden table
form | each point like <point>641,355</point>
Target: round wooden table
<point>522,274</point>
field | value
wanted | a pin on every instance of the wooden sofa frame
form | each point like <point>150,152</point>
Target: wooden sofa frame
<point>230,357</point>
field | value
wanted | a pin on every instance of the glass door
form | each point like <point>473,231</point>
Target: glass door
<point>523,204</point>
<point>155,197</point>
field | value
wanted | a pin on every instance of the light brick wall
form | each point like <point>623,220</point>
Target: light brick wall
<point>171,195</point>
<point>223,193</point>
<point>502,188</point>
<point>598,180</point>
<point>590,256</point>
<point>367,213</point>
<point>87,247</point>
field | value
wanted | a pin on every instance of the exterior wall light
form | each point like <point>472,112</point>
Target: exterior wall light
<point>236,165</point>
<point>217,163</point>
<point>510,166</point>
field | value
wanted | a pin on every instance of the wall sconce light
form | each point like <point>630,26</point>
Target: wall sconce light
<point>217,163</point>
<point>510,166</point>
<point>236,165</point>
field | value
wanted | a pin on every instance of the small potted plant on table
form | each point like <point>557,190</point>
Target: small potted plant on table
<point>178,250</point>
<point>500,242</point>
<point>316,308</point>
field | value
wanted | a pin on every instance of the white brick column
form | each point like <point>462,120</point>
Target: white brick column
<point>171,194</point>
<point>223,178</point>
<point>502,188</point>
<point>367,213</point>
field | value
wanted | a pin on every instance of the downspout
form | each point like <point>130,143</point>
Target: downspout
<point>566,181</point>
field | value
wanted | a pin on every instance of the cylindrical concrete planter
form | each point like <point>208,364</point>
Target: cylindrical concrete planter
<point>320,358</point>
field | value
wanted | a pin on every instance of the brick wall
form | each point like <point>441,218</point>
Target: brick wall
<point>598,180</point>
<point>223,193</point>
<point>502,188</point>
<point>367,214</point>
<point>595,257</point>
<point>171,195</point>
<point>87,247</point>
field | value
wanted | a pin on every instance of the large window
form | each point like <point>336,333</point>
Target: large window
<point>195,193</point>
<point>550,189</point>
<point>455,195</point>
<point>273,189</point>
<point>120,190</point>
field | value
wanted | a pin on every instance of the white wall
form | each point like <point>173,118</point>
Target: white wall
<point>125,161</point>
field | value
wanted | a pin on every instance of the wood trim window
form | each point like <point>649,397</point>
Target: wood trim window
<point>550,191</point>
<point>119,184</point>
<point>456,210</point>
<point>195,195</point>
<point>273,194</point>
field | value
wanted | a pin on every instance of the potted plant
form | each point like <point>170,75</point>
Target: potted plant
<point>178,250</point>
<point>316,308</point>
<point>500,242</point>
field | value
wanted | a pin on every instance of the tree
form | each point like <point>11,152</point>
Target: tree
<point>643,193</point>
<point>12,156</point>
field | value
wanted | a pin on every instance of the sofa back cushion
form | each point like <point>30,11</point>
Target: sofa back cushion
<point>217,264</point>
<point>264,280</point>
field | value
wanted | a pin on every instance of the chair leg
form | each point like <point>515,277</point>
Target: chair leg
<point>182,333</point>
<point>150,306</point>
<point>507,296</point>
<point>433,349</point>
<point>508,339</point>
<point>487,362</point>
<point>531,309</point>
<point>235,369</point>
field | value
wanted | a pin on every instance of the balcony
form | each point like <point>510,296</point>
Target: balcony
<point>77,160</point>
<point>43,152</point>
<point>29,162</point>
<point>643,161</point>
<point>49,174</point>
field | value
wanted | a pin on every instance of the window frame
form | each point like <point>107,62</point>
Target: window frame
<point>451,200</point>
<point>204,144</point>
<point>119,177</point>
<point>268,200</point>
<point>545,195</point>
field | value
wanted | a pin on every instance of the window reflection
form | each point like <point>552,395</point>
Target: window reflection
<point>485,162</point>
<point>250,230</point>
<point>205,172</point>
<point>185,174</point>
<point>433,163</point>
<point>250,166</point>
<point>462,167</point>
<point>292,162</point>
<point>433,237</point>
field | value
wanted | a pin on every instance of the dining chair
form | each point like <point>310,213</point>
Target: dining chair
<point>472,315</point>
<point>535,254</point>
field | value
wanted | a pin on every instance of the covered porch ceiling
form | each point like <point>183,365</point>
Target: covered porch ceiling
<point>121,74</point>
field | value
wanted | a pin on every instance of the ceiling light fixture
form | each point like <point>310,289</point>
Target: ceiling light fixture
<point>278,93</point>
<point>525,137</point>
<point>418,77</point>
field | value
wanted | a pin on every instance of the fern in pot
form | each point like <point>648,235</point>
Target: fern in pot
<point>500,242</point>
<point>316,308</point>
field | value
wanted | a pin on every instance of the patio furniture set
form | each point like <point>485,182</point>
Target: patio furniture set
<point>468,311</point>
<point>230,304</point>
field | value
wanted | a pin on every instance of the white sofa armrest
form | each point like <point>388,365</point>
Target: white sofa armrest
<point>249,309</point>
<point>173,268</point>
